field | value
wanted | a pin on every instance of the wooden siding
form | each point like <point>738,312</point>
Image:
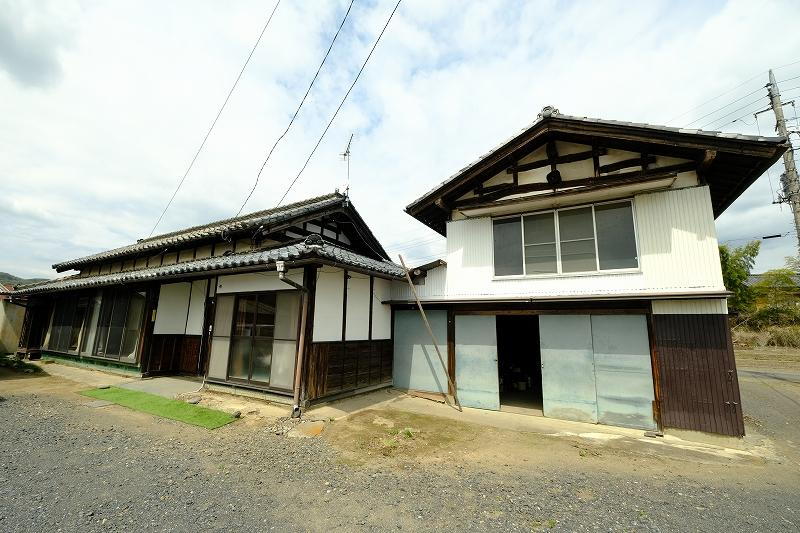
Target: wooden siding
<point>174,353</point>
<point>697,373</point>
<point>337,367</point>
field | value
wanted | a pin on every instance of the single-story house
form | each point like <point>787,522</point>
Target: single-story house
<point>210,301</point>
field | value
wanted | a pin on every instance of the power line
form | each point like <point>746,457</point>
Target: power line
<point>730,91</point>
<point>214,123</point>
<point>341,103</point>
<point>726,105</point>
<point>297,111</point>
<point>760,98</point>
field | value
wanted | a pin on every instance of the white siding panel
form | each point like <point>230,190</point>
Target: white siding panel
<point>690,307</point>
<point>435,286</point>
<point>677,247</point>
<point>678,240</point>
<point>382,313</point>
<point>358,296</point>
<point>197,308</point>
<point>328,305</point>
<point>173,306</point>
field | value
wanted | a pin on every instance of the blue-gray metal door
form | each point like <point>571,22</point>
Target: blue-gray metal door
<point>622,371</point>
<point>477,382</point>
<point>568,384</point>
<point>416,364</point>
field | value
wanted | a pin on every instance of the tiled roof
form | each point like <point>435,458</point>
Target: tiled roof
<point>195,233</point>
<point>752,279</point>
<point>292,252</point>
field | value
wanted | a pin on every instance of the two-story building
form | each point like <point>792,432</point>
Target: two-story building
<point>582,277</point>
<point>582,281</point>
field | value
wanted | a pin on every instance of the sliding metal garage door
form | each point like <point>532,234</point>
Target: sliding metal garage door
<point>597,369</point>
<point>476,361</point>
<point>622,370</point>
<point>568,384</point>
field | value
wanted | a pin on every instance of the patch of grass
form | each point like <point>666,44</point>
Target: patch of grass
<point>164,407</point>
<point>10,361</point>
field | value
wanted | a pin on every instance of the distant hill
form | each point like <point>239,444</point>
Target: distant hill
<point>10,279</point>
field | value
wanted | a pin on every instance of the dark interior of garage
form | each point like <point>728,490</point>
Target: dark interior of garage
<point>519,363</point>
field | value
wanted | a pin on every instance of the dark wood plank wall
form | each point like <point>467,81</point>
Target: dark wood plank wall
<point>174,353</point>
<point>336,367</point>
<point>697,371</point>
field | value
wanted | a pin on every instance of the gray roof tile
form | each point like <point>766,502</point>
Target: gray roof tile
<point>251,220</point>
<point>296,251</point>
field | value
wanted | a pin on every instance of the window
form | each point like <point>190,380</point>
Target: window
<point>564,241</point>
<point>119,324</point>
<point>253,335</point>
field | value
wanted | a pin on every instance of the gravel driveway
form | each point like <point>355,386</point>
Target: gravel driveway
<point>68,467</point>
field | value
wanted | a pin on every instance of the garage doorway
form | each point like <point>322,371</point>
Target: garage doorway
<point>519,364</point>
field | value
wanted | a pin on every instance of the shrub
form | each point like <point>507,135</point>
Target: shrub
<point>788,337</point>
<point>774,315</point>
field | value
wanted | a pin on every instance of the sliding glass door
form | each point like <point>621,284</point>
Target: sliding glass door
<point>253,335</point>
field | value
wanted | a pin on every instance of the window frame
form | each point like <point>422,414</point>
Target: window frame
<point>249,380</point>
<point>559,272</point>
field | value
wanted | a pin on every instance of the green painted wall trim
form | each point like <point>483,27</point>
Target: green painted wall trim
<point>92,363</point>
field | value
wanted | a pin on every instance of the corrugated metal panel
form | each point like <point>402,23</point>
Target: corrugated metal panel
<point>476,361</point>
<point>697,371</point>
<point>435,286</point>
<point>677,246</point>
<point>678,240</point>
<point>690,307</point>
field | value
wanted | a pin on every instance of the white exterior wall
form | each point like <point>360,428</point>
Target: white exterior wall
<point>328,306</point>
<point>382,313</point>
<point>678,253</point>
<point>173,307</point>
<point>358,297</point>
<point>690,307</point>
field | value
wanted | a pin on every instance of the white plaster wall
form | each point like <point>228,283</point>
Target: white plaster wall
<point>677,254</point>
<point>11,318</point>
<point>328,305</point>
<point>358,297</point>
<point>197,307</point>
<point>382,313</point>
<point>173,307</point>
<point>690,307</point>
<point>256,281</point>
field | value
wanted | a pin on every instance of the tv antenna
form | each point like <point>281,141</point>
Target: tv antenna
<point>346,157</point>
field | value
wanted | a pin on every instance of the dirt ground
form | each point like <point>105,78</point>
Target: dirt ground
<point>768,358</point>
<point>66,466</point>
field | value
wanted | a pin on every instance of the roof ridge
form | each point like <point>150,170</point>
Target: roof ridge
<point>254,214</point>
<point>153,242</point>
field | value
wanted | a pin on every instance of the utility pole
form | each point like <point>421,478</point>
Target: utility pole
<point>789,180</point>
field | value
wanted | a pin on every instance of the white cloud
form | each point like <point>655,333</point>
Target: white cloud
<point>88,163</point>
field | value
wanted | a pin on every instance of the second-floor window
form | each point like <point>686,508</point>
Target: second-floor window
<point>577,239</point>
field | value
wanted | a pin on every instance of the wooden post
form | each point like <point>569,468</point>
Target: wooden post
<point>430,332</point>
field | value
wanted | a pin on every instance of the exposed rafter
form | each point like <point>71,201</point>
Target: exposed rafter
<point>559,160</point>
<point>511,190</point>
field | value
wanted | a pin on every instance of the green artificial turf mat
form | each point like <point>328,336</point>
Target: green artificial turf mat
<point>164,407</point>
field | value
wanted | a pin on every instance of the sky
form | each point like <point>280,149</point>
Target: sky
<point>103,105</point>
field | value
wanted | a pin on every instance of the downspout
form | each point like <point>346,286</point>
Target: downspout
<point>280,266</point>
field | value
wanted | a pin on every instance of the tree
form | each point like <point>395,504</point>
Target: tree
<point>793,263</point>
<point>736,266</point>
<point>778,287</point>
